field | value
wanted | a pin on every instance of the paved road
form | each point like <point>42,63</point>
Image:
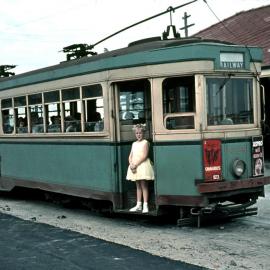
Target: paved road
<point>29,245</point>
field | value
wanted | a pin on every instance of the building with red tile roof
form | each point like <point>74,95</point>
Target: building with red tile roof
<point>250,27</point>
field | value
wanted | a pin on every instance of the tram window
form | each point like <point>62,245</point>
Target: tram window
<point>93,108</point>
<point>179,98</point>
<point>36,113</point>
<point>133,100</point>
<point>71,94</point>
<point>50,97</point>
<point>92,91</point>
<point>21,114</point>
<point>229,101</point>
<point>19,101</point>
<point>53,111</point>
<point>7,116</point>
<point>180,122</point>
<point>72,109</point>
<point>72,116</point>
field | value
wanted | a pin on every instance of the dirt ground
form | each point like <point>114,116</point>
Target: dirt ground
<point>240,244</point>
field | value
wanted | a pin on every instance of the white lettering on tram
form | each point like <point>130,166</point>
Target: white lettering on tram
<point>232,65</point>
<point>257,143</point>
<point>214,168</point>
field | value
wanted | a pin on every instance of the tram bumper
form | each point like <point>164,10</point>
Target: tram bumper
<point>234,185</point>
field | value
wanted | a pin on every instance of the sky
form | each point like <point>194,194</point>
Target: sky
<point>33,32</point>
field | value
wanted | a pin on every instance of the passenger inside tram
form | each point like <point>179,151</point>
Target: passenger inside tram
<point>55,125</point>
<point>73,124</point>
<point>95,122</point>
<point>21,125</point>
<point>99,125</point>
<point>36,123</point>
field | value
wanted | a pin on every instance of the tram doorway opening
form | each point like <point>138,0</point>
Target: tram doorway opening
<point>133,107</point>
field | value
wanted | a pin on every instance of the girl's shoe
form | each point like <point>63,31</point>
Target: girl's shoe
<point>136,208</point>
<point>145,208</point>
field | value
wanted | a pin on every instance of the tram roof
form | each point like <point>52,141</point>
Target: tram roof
<point>146,52</point>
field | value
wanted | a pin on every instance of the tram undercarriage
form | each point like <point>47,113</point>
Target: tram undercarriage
<point>222,207</point>
<point>217,212</point>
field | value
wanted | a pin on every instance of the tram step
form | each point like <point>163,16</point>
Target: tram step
<point>126,211</point>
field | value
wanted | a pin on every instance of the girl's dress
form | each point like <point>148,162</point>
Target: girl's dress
<point>145,170</point>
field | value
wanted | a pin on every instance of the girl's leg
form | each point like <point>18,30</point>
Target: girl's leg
<point>139,191</point>
<point>138,206</point>
<point>145,192</point>
<point>144,186</point>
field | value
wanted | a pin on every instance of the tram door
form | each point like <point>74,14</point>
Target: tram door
<point>133,106</point>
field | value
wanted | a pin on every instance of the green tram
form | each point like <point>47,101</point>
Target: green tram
<point>68,128</point>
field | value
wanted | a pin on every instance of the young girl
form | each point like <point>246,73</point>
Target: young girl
<point>140,169</point>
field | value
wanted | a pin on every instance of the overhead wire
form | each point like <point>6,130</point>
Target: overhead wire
<point>170,9</point>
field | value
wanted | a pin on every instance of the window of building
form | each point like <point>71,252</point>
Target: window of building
<point>93,108</point>
<point>229,101</point>
<point>7,116</point>
<point>179,102</point>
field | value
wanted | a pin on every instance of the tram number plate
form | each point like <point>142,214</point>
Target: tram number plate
<point>212,160</point>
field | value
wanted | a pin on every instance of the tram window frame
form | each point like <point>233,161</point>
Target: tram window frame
<point>53,118</point>
<point>230,115</point>
<point>134,97</point>
<point>21,115</point>
<point>72,109</point>
<point>8,128</point>
<point>36,112</point>
<point>93,108</point>
<point>179,102</point>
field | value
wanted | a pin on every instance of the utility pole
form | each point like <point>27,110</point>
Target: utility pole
<point>186,26</point>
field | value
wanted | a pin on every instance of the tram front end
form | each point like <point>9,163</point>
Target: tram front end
<point>233,176</point>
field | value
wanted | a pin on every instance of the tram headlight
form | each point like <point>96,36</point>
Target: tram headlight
<point>239,167</point>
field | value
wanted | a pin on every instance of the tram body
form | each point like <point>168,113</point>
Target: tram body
<point>68,128</point>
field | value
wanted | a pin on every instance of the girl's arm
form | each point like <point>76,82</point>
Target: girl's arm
<point>130,157</point>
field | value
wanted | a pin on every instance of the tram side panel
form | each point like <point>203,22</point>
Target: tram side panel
<point>177,166</point>
<point>233,150</point>
<point>81,169</point>
<point>180,169</point>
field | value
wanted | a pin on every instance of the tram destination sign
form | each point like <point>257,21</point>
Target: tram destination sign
<point>232,60</point>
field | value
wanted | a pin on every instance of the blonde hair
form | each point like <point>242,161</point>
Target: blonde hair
<point>139,126</point>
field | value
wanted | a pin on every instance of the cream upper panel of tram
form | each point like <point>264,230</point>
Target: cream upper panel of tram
<point>170,69</point>
<point>265,73</point>
<point>95,78</point>
<point>255,67</point>
<point>159,118</point>
<point>64,84</point>
<point>195,136</point>
<point>161,70</point>
<point>201,129</point>
<point>149,71</point>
